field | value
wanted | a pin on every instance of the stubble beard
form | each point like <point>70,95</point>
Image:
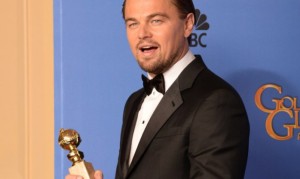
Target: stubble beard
<point>157,65</point>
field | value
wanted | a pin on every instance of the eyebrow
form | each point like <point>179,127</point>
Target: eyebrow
<point>164,15</point>
<point>158,14</point>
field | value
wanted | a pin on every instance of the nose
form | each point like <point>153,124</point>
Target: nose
<point>144,32</point>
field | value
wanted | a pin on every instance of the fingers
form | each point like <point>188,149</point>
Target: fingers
<point>98,174</point>
<point>73,177</point>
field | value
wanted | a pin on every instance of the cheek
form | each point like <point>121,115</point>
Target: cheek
<point>171,40</point>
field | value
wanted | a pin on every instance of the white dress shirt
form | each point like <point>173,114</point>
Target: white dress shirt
<point>150,102</point>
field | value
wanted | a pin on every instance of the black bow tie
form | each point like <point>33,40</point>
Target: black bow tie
<point>157,82</point>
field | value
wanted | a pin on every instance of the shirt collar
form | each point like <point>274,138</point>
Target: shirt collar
<point>172,74</point>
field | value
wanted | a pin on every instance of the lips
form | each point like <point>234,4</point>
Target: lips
<point>147,48</point>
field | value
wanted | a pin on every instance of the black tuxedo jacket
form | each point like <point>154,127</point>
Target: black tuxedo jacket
<point>198,130</point>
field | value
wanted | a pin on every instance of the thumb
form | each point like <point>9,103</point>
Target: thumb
<point>98,174</point>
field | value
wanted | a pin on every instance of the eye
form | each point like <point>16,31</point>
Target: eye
<point>156,21</point>
<point>132,25</point>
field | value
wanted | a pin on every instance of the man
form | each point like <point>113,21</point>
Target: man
<point>197,126</point>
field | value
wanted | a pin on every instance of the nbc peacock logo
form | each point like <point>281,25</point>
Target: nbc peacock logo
<point>201,24</point>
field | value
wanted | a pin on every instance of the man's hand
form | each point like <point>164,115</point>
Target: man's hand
<point>98,175</point>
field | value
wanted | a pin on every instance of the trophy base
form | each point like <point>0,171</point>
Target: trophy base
<point>84,169</point>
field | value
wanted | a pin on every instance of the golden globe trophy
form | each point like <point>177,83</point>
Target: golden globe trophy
<point>69,139</point>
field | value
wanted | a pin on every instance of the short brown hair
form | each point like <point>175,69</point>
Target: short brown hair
<point>184,7</point>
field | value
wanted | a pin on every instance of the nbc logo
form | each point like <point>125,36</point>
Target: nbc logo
<point>200,25</point>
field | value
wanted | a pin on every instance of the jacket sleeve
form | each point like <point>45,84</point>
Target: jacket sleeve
<point>219,136</point>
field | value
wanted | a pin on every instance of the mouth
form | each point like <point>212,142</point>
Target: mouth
<point>148,48</point>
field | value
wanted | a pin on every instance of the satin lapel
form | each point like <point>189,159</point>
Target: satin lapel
<point>169,103</point>
<point>130,119</point>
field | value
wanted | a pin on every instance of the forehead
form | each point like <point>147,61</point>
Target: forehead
<point>135,8</point>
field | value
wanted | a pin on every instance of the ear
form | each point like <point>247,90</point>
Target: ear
<point>189,24</point>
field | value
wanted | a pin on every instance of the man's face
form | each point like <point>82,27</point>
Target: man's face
<point>156,34</point>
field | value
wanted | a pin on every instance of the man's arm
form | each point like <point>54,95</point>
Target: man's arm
<point>219,138</point>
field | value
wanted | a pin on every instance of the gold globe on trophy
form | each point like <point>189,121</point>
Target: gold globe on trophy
<point>69,139</point>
